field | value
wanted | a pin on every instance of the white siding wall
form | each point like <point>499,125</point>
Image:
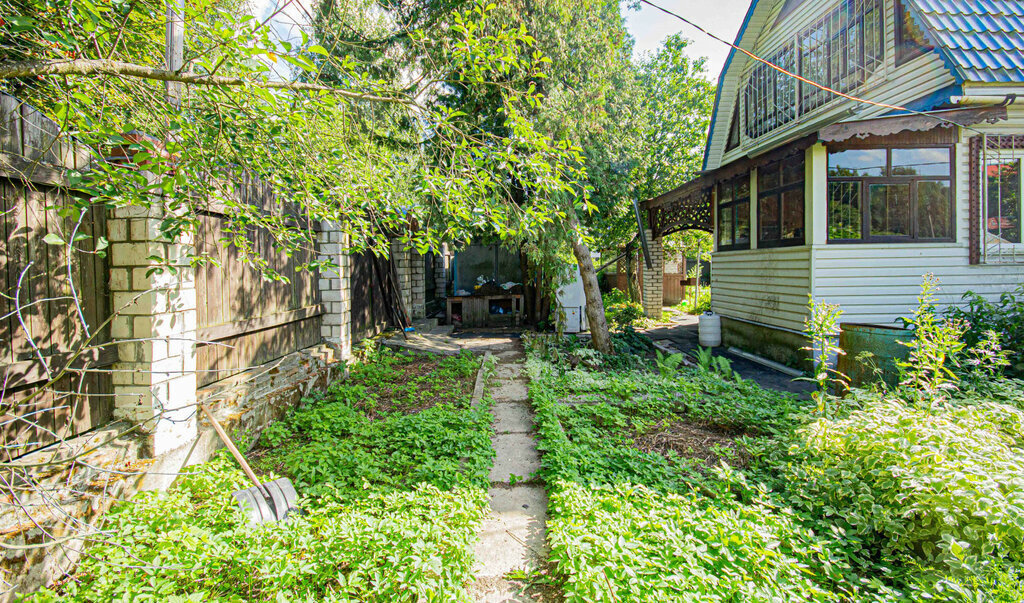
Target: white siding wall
<point>880,283</point>
<point>767,286</point>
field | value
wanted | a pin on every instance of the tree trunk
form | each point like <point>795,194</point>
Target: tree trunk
<point>600,340</point>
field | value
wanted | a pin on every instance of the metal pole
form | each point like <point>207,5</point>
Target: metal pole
<point>643,237</point>
<point>174,50</point>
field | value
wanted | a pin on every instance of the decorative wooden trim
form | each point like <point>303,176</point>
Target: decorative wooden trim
<point>974,201</point>
<point>234,329</point>
<point>30,372</point>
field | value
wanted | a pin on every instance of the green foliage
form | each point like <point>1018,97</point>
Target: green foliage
<point>1005,317</point>
<point>883,499</point>
<point>619,310</point>
<point>392,464</point>
<point>668,365</point>
<point>709,363</point>
<point>934,349</point>
<point>398,421</point>
<point>822,328</point>
<point>629,543</point>
<point>898,483</point>
<point>192,544</point>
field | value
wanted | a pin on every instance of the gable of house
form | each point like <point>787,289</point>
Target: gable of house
<point>865,48</point>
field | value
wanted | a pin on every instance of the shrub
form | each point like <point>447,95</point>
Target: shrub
<point>903,483</point>
<point>1005,317</point>
<point>619,311</point>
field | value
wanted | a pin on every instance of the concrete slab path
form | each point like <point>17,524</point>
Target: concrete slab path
<point>512,537</point>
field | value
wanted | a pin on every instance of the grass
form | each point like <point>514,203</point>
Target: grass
<point>391,464</point>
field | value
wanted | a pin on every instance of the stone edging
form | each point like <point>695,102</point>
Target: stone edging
<point>478,387</point>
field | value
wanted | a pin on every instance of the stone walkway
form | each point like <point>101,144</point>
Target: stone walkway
<point>512,537</point>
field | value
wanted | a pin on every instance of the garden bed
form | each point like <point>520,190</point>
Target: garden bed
<point>391,464</point>
<point>693,486</point>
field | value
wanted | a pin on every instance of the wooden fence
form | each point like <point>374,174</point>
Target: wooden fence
<point>38,317</point>
<point>250,320</point>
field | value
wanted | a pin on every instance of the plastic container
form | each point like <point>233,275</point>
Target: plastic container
<point>709,330</point>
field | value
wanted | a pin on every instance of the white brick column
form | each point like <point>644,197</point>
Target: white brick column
<point>336,289</point>
<point>418,271</point>
<point>441,271</point>
<point>155,321</point>
<point>654,278</point>
<point>403,267</point>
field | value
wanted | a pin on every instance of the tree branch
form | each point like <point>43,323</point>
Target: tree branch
<point>25,69</point>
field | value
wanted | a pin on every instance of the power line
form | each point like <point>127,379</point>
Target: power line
<point>800,77</point>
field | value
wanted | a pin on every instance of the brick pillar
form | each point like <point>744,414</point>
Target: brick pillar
<point>336,290</point>
<point>441,271</point>
<point>654,279</point>
<point>418,268</point>
<point>403,266</point>
<point>155,321</point>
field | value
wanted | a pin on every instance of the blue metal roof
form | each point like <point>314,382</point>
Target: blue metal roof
<point>983,40</point>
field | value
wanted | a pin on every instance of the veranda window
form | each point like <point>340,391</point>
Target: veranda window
<point>890,195</point>
<point>734,213</point>
<point>780,203</point>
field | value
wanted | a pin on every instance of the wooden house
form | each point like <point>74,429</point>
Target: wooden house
<point>906,160</point>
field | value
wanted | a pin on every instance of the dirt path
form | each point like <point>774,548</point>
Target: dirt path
<point>512,537</point>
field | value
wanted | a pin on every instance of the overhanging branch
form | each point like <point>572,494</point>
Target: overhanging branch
<point>119,68</point>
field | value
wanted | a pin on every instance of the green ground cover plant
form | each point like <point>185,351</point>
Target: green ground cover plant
<point>690,486</point>
<point>391,466</point>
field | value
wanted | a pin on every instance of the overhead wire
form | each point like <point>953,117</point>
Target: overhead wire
<point>800,77</point>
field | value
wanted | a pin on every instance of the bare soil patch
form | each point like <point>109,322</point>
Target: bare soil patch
<point>692,441</point>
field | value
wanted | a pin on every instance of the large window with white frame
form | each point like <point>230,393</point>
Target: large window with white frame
<point>891,194</point>
<point>840,51</point>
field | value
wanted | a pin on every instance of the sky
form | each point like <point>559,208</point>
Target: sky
<point>722,17</point>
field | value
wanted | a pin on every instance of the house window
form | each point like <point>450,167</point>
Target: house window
<point>910,38</point>
<point>890,194</point>
<point>1002,217</point>
<point>840,51</point>
<point>780,203</point>
<point>734,213</point>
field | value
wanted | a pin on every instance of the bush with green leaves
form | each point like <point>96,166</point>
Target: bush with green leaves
<point>899,482</point>
<point>887,498</point>
<point>1004,317</point>
<point>619,311</point>
<point>192,543</point>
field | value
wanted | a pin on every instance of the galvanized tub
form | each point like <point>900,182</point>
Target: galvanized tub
<point>882,342</point>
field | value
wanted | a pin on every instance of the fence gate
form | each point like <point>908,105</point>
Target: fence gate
<point>369,306</point>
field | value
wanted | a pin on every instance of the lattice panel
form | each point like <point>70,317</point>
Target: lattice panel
<point>691,211</point>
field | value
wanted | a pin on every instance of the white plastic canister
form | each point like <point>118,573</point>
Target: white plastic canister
<point>709,329</point>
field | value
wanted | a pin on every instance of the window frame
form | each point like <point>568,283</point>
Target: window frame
<point>1018,159</point>
<point>731,204</point>
<point>887,178</point>
<point>778,191</point>
<point>903,53</point>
